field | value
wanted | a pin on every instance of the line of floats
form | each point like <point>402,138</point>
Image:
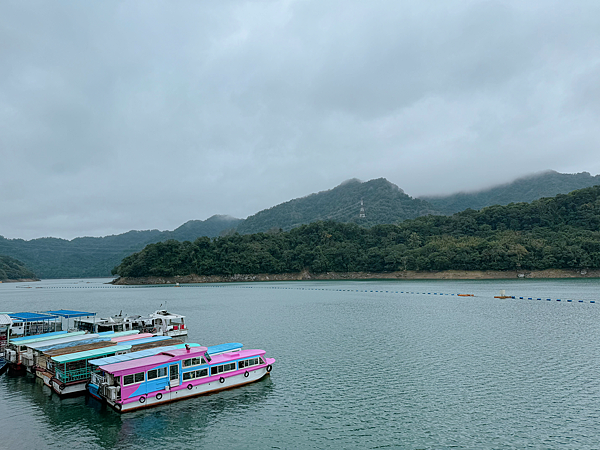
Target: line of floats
<point>501,296</point>
<point>129,362</point>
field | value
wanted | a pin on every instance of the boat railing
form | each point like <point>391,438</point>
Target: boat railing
<point>72,375</point>
<point>97,379</point>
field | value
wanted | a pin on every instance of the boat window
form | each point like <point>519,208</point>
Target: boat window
<point>249,362</point>
<point>133,378</point>
<point>193,362</point>
<point>215,370</point>
<point>157,373</point>
<point>195,374</point>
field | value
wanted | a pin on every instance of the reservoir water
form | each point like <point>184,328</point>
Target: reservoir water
<point>360,364</point>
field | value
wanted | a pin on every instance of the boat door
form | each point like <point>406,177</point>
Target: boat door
<point>174,375</point>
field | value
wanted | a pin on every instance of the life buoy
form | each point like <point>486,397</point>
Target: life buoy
<point>142,399</point>
<point>221,380</point>
<point>246,374</point>
<point>61,386</point>
<point>190,387</point>
<point>269,368</point>
<point>158,396</point>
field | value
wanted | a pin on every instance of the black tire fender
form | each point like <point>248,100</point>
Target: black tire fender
<point>246,374</point>
<point>221,380</point>
<point>190,387</point>
<point>269,368</point>
<point>142,399</point>
<point>158,396</point>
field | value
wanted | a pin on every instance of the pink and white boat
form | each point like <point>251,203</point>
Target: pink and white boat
<point>177,374</point>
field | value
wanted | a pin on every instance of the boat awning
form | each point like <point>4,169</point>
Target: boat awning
<point>37,336</point>
<point>72,338</point>
<point>32,317</point>
<point>68,314</point>
<point>96,353</point>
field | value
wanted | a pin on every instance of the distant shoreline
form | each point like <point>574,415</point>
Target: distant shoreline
<point>402,275</point>
<point>20,280</point>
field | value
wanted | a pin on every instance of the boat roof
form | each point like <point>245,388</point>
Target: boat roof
<point>90,353</point>
<point>156,360</point>
<point>166,315</point>
<point>222,348</point>
<point>77,347</point>
<point>66,345</point>
<point>45,338</point>
<point>32,316</point>
<point>46,345</point>
<point>224,357</point>
<point>136,355</point>
<point>131,337</point>
<point>119,333</point>
<point>26,338</point>
<point>149,339</point>
<point>213,350</point>
<point>67,313</point>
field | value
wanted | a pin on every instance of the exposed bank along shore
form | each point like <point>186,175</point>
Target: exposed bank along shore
<point>403,275</point>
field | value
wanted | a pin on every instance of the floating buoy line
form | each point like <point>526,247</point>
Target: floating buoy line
<point>378,291</point>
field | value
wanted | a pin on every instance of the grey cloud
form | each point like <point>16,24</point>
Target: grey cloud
<point>134,115</point>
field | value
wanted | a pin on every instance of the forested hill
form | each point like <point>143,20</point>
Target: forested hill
<point>96,256</point>
<point>384,202</point>
<point>12,269</point>
<point>550,233</point>
<point>527,189</point>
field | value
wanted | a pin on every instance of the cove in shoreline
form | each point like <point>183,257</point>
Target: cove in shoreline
<point>402,275</point>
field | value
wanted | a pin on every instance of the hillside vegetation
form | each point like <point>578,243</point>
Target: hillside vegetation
<point>96,256</point>
<point>527,189</point>
<point>550,233</point>
<point>384,202</point>
<point>12,269</point>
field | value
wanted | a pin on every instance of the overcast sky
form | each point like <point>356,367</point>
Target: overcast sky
<point>120,115</point>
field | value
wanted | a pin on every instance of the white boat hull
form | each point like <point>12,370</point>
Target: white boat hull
<point>176,333</point>
<point>71,389</point>
<point>184,391</point>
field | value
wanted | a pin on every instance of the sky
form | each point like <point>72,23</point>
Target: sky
<point>121,115</point>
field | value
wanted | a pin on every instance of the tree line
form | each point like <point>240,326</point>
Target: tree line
<point>550,233</point>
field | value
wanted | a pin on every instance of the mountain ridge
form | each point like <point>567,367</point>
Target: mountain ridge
<point>384,203</point>
<point>524,189</point>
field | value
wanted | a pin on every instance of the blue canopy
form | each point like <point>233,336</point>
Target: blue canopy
<point>67,314</point>
<point>32,317</point>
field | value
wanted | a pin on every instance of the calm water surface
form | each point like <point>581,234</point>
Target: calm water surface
<point>355,369</point>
